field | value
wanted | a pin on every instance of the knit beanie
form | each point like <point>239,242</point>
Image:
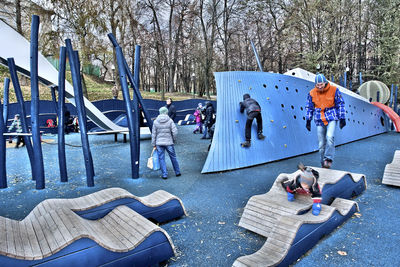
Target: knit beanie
<point>163,110</point>
<point>307,177</point>
<point>320,78</point>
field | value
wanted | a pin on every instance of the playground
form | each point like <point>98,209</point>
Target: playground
<point>209,235</point>
<point>88,197</point>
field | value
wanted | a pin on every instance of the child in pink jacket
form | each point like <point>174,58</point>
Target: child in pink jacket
<point>199,121</point>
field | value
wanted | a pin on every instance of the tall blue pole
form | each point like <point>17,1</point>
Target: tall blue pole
<point>256,55</point>
<point>395,98</point>
<point>80,108</point>
<point>132,82</point>
<point>128,105</point>
<point>20,99</point>
<point>61,118</point>
<point>345,79</point>
<point>391,96</point>
<point>332,78</point>
<point>78,67</point>
<point>360,78</point>
<point>3,173</point>
<point>136,121</point>
<point>5,99</point>
<point>37,144</point>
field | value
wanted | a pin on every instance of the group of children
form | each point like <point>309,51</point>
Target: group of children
<point>205,116</point>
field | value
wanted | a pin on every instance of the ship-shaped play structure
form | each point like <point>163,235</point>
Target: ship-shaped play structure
<point>282,98</point>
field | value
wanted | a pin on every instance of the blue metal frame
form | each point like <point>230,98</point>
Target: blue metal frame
<point>61,118</point>
<point>20,100</point>
<point>6,99</point>
<point>256,55</point>
<point>3,172</point>
<point>76,81</point>
<point>395,98</point>
<point>391,97</point>
<point>132,82</point>
<point>135,103</point>
<point>128,105</point>
<point>37,144</point>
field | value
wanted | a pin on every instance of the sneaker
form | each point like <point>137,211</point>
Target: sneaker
<point>327,164</point>
<point>177,175</point>
<point>261,136</point>
<point>165,178</point>
<point>246,144</point>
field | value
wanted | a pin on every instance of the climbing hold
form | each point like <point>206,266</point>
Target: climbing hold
<point>272,120</point>
<point>236,121</point>
<point>267,98</point>
<point>285,145</point>
<point>284,126</point>
<point>239,80</point>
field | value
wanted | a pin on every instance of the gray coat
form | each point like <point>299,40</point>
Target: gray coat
<point>164,131</point>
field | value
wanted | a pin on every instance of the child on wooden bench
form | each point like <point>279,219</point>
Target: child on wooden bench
<point>305,183</point>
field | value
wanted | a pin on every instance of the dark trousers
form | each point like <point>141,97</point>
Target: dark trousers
<point>249,122</point>
<point>20,139</point>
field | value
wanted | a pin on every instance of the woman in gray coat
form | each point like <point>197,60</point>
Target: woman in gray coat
<point>163,137</point>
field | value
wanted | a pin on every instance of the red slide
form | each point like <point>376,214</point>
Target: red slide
<point>390,112</point>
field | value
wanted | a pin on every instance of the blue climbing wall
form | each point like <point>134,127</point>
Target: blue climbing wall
<point>282,99</point>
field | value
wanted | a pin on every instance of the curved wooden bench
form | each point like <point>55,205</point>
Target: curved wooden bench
<point>262,211</point>
<point>391,175</point>
<point>292,235</point>
<point>61,236</point>
<point>160,206</point>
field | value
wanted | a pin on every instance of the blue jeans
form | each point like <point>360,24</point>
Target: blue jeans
<point>171,152</point>
<point>326,141</point>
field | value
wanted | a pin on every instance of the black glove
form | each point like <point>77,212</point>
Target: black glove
<point>342,123</point>
<point>308,125</point>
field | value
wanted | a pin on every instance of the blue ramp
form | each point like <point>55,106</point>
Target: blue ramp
<point>282,99</point>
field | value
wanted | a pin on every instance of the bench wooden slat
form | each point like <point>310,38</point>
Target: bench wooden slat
<point>3,236</point>
<point>19,249</point>
<point>36,252</point>
<point>10,238</point>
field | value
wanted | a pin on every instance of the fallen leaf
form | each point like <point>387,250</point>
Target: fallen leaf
<point>342,253</point>
<point>221,222</point>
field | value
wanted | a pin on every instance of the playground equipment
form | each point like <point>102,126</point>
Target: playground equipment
<point>17,47</point>
<point>369,90</point>
<point>35,153</point>
<point>391,113</point>
<point>61,237</point>
<point>159,206</point>
<point>282,99</point>
<point>391,175</point>
<point>107,226</point>
<point>290,227</point>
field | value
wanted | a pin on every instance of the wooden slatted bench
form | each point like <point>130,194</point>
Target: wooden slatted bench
<point>288,239</point>
<point>262,211</point>
<point>60,236</point>
<point>391,175</point>
<point>159,206</point>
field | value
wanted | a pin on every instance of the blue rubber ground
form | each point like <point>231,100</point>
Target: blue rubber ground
<point>209,235</point>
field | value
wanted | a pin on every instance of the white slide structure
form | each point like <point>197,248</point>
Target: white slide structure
<point>12,44</point>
